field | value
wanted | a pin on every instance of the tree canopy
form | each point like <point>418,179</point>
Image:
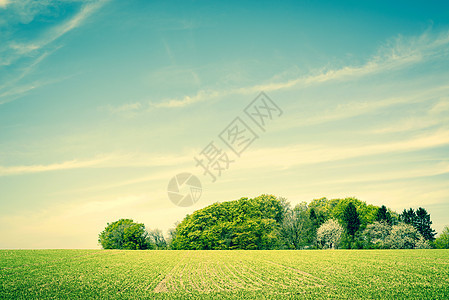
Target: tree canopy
<point>123,234</point>
<point>268,222</point>
<point>241,224</point>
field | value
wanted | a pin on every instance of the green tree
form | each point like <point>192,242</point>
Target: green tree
<point>408,216</point>
<point>124,234</point>
<point>383,215</point>
<point>442,241</point>
<point>423,224</point>
<point>351,219</point>
<point>297,228</point>
<point>367,212</point>
<point>240,224</point>
<point>420,220</point>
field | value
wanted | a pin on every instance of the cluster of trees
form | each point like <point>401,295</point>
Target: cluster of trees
<point>268,222</point>
<point>126,234</point>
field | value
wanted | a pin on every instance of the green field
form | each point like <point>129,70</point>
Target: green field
<point>109,274</point>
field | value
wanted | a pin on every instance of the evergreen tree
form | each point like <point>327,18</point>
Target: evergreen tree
<point>351,219</point>
<point>423,224</point>
<point>383,215</point>
<point>408,216</point>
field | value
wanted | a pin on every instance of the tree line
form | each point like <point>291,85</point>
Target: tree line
<point>269,222</point>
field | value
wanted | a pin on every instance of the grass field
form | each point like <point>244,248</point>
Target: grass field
<point>379,274</point>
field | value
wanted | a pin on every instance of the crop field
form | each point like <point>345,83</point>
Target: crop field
<point>115,274</point>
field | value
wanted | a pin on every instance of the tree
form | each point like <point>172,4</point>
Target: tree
<point>124,234</point>
<point>423,224</point>
<point>403,236</point>
<point>376,235</point>
<point>420,220</point>
<point>329,234</point>
<point>351,219</point>
<point>383,215</point>
<point>408,216</point>
<point>442,241</point>
<point>156,238</point>
<point>297,229</point>
<point>422,243</point>
<point>240,224</point>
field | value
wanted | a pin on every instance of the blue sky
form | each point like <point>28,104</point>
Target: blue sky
<point>102,102</point>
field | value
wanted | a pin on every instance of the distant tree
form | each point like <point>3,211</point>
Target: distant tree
<point>403,236</point>
<point>240,224</point>
<point>297,229</point>
<point>383,215</point>
<point>420,220</point>
<point>366,212</point>
<point>376,234</point>
<point>423,224</point>
<point>351,219</point>
<point>408,216</point>
<point>329,234</point>
<point>124,234</point>
<point>156,238</point>
<point>442,241</point>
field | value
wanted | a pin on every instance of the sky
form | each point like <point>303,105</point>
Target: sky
<point>103,102</point>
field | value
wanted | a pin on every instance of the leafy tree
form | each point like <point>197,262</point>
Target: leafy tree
<point>403,236</point>
<point>423,224</point>
<point>297,229</point>
<point>442,241</point>
<point>329,234</point>
<point>351,219</point>
<point>376,235</point>
<point>240,224</point>
<point>383,215</point>
<point>367,213</point>
<point>124,234</point>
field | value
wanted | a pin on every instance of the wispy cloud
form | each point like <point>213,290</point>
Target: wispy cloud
<point>103,161</point>
<point>124,108</point>
<point>23,56</point>
<point>51,34</point>
<point>396,54</point>
<point>306,154</point>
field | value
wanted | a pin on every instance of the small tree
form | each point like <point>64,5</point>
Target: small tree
<point>351,219</point>
<point>329,234</point>
<point>124,234</point>
<point>442,241</point>
<point>403,236</point>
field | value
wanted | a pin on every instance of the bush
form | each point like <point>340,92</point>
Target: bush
<point>442,241</point>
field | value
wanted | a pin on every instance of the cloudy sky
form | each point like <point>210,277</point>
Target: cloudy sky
<point>102,102</point>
